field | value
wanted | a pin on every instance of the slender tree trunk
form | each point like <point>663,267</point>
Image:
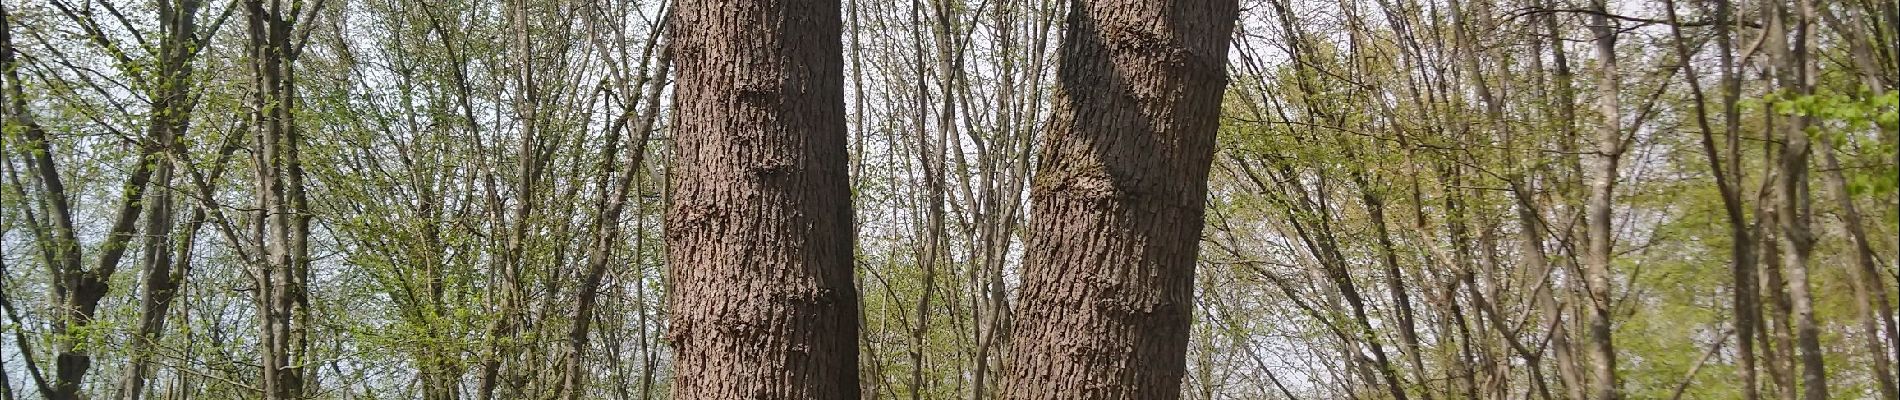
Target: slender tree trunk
<point>1602,180</point>
<point>1870,290</point>
<point>282,275</point>
<point>1545,293</point>
<point>759,231</point>
<point>1777,341</point>
<point>163,273</point>
<point>930,158</point>
<point>1107,284</point>
<point>1548,296</point>
<point>1876,309</point>
<point>606,229</point>
<point>1747,297</point>
<point>1791,71</point>
<point>1395,283</point>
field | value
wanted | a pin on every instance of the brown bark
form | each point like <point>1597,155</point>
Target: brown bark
<point>759,231</point>
<point>1106,292</point>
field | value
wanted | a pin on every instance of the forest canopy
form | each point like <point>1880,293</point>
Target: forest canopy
<point>949,199</point>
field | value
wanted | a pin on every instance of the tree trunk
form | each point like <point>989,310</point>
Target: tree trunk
<point>1395,283</point>
<point>282,274</point>
<point>759,232</point>
<point>163,273</point>
<point>605,231</point>
<point>1777,341</point>
<point>76,289</point>
<point>1107,283</point>
<point>1870,291</point>
<point>1602,180</point>
<point>1742,247</point>
<point>1790,68</point>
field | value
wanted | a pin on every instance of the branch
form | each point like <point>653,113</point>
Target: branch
<point>1717,348</point>
<point>98,37</point>
<point>1529,11</point>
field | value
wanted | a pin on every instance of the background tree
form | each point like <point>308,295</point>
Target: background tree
<point>1376,162</point>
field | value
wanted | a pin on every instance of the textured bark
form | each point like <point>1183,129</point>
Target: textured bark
<point>1106,292</point>
<point>759,229</point>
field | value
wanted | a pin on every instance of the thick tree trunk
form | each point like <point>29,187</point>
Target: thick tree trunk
<point>1108,277</point>
<point>759,230</point>
<point>76,289</point>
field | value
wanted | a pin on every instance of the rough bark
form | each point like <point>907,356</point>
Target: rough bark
<point>1106,292</point>
<point>760,225</point>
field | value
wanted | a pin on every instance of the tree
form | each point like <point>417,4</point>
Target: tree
<point>1602,175</point>
<point>1406,200</point>
<point>759,230</point>
<point>1107,284</point>
<point>282,272</point>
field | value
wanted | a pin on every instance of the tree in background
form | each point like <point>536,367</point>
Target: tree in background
<point>1399,203</point>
